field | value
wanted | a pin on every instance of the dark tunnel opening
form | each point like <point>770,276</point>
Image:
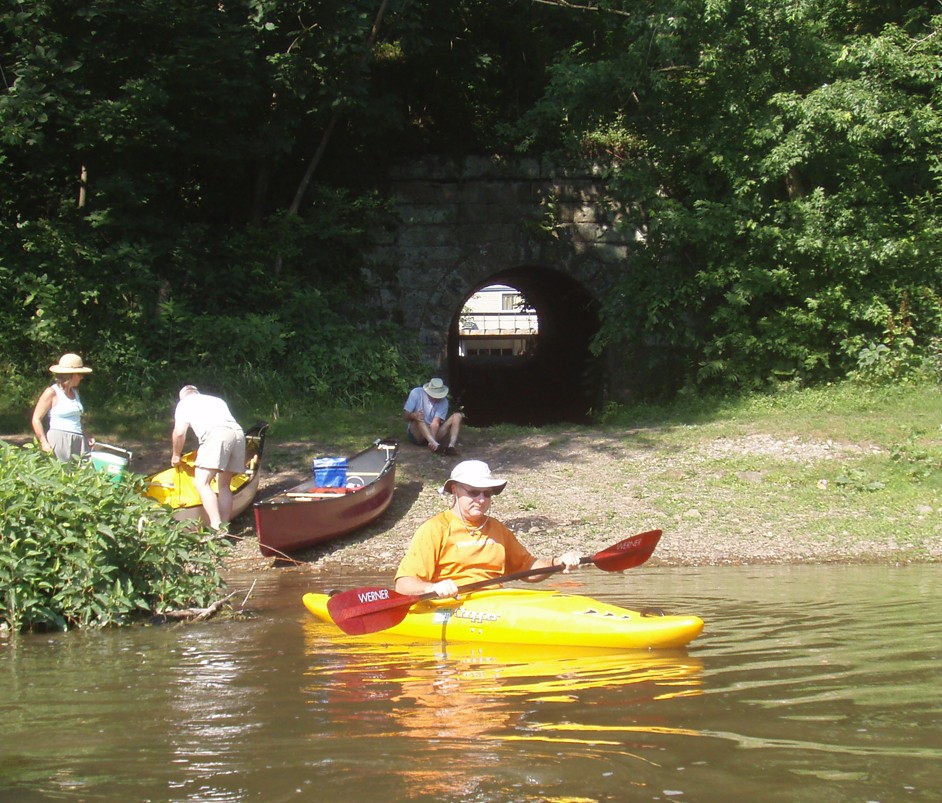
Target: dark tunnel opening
<point>558,381</point>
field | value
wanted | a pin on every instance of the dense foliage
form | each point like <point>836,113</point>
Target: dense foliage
<point>154,217</point>
<point>77,549</point>
<point>189,188</point>
<point>780,162</point>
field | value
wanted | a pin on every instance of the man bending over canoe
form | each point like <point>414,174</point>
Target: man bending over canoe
<point>464,544</point>
<point>221,452</point>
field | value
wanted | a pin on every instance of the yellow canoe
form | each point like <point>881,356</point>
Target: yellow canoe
<point>176,488</point>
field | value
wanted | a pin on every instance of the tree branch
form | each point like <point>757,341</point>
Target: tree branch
<point>332,124</point>
<point>580,7</point>
<point>198,614</point>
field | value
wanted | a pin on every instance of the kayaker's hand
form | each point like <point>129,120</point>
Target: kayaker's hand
<point>175,459</point>
<point>570,560</point>
<point>444,589</point>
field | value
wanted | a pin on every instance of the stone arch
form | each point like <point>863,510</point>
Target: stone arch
<point>561,380</point>
<point>550,231</point>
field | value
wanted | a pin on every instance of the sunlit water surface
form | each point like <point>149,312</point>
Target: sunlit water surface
<point>813,683</point>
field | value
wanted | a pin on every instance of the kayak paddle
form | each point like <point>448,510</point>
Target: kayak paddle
<point>369,610</point>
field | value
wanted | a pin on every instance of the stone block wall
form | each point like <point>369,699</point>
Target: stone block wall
<point>463,222</point>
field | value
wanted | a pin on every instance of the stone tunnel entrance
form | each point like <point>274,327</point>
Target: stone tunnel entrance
<point>558,381</point>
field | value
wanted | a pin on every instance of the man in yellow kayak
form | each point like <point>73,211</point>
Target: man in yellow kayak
<point>464,544</point>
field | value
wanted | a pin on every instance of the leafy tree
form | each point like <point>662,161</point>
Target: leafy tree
<point>152,159</point>
<point>780,163</point>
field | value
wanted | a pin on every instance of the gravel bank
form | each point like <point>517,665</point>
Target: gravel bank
<point>585,490</point>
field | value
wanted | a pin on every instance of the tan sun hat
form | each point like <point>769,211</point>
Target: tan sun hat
<point>436,388</point>
<point>474,474</point>
<point>70,364</point>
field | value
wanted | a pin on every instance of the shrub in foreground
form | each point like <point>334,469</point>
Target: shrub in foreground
<point>77,550</point>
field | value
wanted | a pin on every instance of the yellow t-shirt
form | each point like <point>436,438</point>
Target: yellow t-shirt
<point>445,548</point>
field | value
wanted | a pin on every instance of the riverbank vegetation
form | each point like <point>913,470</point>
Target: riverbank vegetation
<point>80,550</point>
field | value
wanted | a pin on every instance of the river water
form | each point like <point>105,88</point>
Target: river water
<point>810,683</point>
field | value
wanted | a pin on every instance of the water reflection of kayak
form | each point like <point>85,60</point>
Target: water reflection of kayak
<point>520,616</point>
<point>442,676</point>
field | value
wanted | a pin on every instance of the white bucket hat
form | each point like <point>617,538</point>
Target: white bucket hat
<point>436,388</point>
<point>70,364</point>
<point>474,474</point>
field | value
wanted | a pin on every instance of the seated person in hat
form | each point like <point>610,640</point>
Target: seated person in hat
<point>465,544</point>
<point>426,410</point>
<point>61,402</point>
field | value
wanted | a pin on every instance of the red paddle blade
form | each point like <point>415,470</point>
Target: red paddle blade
<point>368,610</point>
<point>628,553</point>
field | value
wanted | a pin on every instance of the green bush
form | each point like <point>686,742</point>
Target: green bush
<point>77,550</point>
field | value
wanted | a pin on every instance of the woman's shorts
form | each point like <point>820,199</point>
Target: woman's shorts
<point>222,449</point>
<point>65,445</point>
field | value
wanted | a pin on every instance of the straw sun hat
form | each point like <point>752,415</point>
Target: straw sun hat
<point>436,388</point>
<point>70,364</point>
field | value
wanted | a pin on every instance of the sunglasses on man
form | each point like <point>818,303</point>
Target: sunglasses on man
<point>475,492</point>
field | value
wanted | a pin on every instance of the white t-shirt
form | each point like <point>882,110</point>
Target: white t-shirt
<point>201,413</point>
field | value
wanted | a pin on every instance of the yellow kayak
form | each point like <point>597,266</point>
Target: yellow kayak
<point>522,616</point>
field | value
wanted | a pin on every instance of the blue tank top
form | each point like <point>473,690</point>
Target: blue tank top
<point>66,414</point>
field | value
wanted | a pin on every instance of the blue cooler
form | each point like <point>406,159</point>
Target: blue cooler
<point>330,472</point>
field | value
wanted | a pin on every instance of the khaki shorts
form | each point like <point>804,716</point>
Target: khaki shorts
<point>223,449</point>
<point>65,445</point>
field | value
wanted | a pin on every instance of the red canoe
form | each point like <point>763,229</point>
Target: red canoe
<point>309,514</point>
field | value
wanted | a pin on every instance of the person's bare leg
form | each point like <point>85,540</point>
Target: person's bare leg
<point>438,431</point>
<point>454,428</point>
<point>426,434</point>
<point>224,495</point>
<point>202,479</point>
<point>451,428</point>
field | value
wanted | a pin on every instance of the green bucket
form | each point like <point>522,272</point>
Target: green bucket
<point>112,464</point>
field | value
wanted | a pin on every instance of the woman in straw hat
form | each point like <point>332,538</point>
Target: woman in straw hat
<point>465,544</point>
<point>62,403</point>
